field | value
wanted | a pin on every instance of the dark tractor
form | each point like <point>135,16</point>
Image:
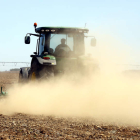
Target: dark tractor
<point>59,50</point>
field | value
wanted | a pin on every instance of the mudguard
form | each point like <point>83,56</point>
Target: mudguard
<point>46,62</point>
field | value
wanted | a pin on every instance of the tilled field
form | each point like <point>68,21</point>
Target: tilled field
<point>8,78</point>
<point>24,126</point>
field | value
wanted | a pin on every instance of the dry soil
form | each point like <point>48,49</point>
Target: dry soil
<point>25,126</point>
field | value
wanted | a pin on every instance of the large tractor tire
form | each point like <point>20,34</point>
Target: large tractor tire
<point>40,72</point>
<point>34,71</point>
<point>23,74</point>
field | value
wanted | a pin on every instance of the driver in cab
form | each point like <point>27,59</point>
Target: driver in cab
<point>62,49</point>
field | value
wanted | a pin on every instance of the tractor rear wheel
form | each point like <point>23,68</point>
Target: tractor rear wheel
<point>23,75</point>
<point>39,71</point>
<point>20,77</point>
<point>34,71</point>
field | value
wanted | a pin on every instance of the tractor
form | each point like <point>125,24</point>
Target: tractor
<point>59,50</point>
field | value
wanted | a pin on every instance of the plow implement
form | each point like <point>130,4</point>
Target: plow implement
<point>2,93</point>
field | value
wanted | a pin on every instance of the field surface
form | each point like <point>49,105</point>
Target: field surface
<point>24,126</point>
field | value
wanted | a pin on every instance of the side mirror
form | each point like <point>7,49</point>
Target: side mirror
<point>35,52</point>
<point>27,40</point>
<point>93,42</point>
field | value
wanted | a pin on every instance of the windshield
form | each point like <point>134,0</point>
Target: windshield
<point>62,44</point>
<point>57,39</point>
<point>67,43</point>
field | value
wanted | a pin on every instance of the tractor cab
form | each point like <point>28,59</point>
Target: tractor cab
<point>60,41</point>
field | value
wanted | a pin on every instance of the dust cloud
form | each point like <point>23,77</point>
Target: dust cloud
<point>108,96</point>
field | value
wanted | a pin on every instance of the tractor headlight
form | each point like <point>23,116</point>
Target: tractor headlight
<point>52,30</point>
<point>47,30</point>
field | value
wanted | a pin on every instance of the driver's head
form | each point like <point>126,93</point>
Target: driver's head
<point>63,40</point>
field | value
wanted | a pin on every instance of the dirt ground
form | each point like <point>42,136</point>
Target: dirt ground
<point>24,126</point>
<point>8,78</point>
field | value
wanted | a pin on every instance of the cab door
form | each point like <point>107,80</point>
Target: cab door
<point>41,44</point>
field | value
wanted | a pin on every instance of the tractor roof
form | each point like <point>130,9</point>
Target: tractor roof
<point>44,30</point>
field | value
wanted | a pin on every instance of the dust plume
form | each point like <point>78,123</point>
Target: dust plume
<point>108,96</point>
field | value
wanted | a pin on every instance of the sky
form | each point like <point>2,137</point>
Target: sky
<point>117,19</point>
